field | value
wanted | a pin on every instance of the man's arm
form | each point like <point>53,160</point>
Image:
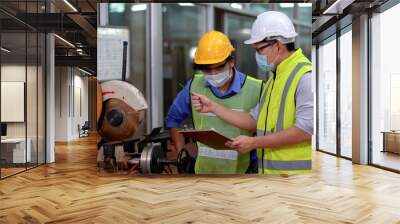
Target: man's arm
<point>177,139</point>
<point>237,118</point>
<point>302,130</point>
<point>276,140</point>
<point>177,113</point>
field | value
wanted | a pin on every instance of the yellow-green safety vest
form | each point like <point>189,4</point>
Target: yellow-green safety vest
<point>277,111</point>
<point>211,161</point>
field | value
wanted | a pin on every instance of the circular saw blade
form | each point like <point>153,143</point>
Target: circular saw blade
<point>119,120</point>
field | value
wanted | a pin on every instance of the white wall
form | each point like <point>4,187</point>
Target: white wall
<point>33,127</point>
<point>13,73</point>
<point>71,93</point>
<point>80,94</point>
<point>61,103</point>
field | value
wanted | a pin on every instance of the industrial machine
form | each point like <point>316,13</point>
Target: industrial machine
<point>121,109</point>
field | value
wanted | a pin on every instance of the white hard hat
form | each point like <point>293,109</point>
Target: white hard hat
<point>272,25</point>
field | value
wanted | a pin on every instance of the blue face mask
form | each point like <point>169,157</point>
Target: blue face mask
<point>262,62</point>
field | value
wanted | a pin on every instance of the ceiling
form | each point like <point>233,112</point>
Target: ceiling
<point>74,21</point>
<point>330,15</point>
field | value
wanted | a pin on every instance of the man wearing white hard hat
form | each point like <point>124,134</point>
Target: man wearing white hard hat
<point>283,119</point>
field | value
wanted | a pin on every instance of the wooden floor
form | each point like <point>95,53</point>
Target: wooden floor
<point>70,191</point>
<point>10,171</point>
<point>387,159</point>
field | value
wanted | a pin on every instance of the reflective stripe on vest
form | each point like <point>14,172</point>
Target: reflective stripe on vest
<point>285,165</point>
<point>220,154</point>
<point>285,92</point>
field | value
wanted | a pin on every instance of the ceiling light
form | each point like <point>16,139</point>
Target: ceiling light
<point>286,5</point>
<point>138,7</point>
<point>185,4</point>
<point>338,6</point>
<point>84,71</point>
<point>70,5</point>
<point>192,52</point>
<point>304,5</point>
<point>236,6</point>
<point>5,50</point>
<point>65,41</point>
<point>117,7</point>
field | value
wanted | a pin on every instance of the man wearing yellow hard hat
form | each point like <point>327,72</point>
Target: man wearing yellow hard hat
<point>284,117</point>
<point>223,83</point>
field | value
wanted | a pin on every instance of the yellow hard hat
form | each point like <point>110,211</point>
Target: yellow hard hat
<point>214,47</point>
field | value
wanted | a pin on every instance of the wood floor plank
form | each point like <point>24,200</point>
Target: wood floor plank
<point>71,191</point>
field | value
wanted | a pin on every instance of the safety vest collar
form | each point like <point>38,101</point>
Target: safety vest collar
<point>284,64</point>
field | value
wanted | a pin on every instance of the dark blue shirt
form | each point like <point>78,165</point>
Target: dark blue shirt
<point>180,108</point>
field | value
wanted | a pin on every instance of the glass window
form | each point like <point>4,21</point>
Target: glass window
<point>182,27</point>
<point>304,12</point>
<point>238,29</point>
<point>31,97</point>
<point>41,86</point>
<point>287,8</point>
<point>303,41</point>
<point>22,90</point>
<point>117,13</point>
<point>385,89</point>
<point>327,96</point>
<point>346,94</point>
<point>132,17</point>
<point>260,7</point>
<point>14,153</point>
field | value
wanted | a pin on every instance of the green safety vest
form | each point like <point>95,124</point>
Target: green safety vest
<point>211,161</point>
<point>277,111</point>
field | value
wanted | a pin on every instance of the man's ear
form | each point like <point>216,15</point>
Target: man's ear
<point>280,45</point>
<point>232,62</point>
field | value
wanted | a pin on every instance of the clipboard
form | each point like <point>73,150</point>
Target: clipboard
<point>210,137</point>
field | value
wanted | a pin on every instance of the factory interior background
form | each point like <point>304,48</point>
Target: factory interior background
<point>50,72</point>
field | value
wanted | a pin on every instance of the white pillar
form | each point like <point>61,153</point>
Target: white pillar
<point>50,99</point>
<point>156,66</point>
<point>102,14</point>
<point>360,90</point>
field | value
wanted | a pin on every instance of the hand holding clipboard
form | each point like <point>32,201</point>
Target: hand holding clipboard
<point>210,137</point>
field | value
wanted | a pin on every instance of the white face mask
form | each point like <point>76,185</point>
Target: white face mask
<point>218,79</point>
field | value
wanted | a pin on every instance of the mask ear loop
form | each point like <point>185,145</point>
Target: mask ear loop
<point>276,57</point>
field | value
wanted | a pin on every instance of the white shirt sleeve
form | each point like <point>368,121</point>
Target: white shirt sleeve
<point>305,104</point>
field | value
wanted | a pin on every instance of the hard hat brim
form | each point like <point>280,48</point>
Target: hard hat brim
<point>254,40</point>
<point>214,60</point>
